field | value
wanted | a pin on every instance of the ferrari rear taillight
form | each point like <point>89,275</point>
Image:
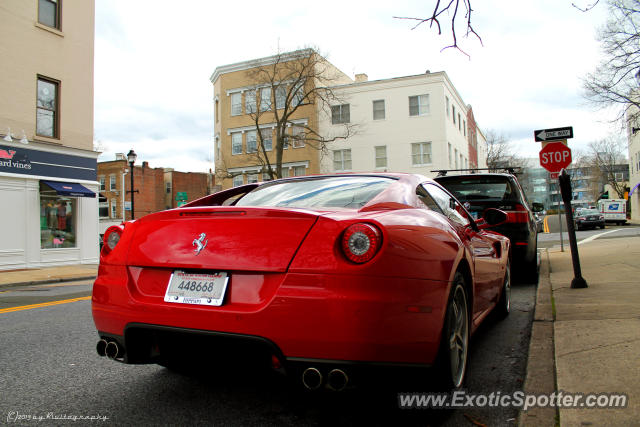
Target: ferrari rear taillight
<point>111,238</point>
<point>360,242</point>
<point>519,214</point>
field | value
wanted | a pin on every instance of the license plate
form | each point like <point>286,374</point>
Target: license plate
<point>195,288</point>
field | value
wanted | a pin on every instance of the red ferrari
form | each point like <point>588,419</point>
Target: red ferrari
<point>323,277</point>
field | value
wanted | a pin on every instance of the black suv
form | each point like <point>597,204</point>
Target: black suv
<point>480,191</point>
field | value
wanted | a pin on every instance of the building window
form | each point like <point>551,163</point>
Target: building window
<point>341,160</point>
<point>285,172</point>
<point>455,158</point>
<point>381,156</point>
<point>265,99</point>
<point>49,13</point>
<point>103,208</point>
<point>340,114</point>
<point>236,104</point>
<point>464,127</point>
<point>103,184</point>
<point>459,122</point>
<point>267,139</point>
<point>266,176</point>
<point>252,178</point>
<point>453,109</point>
<point>252,145</point>
<point>168,187</point>
<point>250,101</point>
<point>114,210</point>
<point>418,105</point>
<point>236,143</point>
<point>57,219</point>
<point>298,94</point>
<point>298,136</point>
<point>299,171</point>
<point>421,153</point>
<point>47,108</point>
<point>378,110</point>
<point>238,180</point>
<point>281,96</point>
<point>112,183</point>
<point>217,108</point>
<point>446,103</point>
<point>449,145</point>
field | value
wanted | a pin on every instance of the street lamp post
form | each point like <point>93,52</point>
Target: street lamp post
<point>131,157</point>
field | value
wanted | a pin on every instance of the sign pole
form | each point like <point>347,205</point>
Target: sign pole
<point>560,222</point>
<point>565,188</point>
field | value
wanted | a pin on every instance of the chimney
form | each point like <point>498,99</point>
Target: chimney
<point>120,156</point>
<point>145,164</point>
<point>362,77</point>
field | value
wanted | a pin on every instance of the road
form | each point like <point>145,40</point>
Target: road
<point>552,239</point>
<point>50,366</point>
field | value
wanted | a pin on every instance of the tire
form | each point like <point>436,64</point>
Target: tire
<point>504,304</point>
<point>451,365</point>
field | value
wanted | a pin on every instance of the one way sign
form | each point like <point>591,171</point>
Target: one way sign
<point>553,134</point>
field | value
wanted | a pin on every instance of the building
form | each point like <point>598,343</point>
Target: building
<point>248,99</point>
<point>413,124</point>
<point>47,163</point>
<point>633,138</point>
<point>156,189</point>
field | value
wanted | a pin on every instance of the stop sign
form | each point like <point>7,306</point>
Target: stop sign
<point>555,156</point>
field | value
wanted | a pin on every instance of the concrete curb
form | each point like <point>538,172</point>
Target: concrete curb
<point>541,369</point>
<point>46,281</point>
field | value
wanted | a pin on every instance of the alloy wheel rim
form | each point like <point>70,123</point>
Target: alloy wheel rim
<point>458,336</point>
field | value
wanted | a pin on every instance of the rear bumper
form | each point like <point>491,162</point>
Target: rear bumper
<point>305,316</point>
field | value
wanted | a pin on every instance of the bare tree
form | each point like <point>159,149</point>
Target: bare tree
<point>500,154</point>
<point>605,157</point>
<point>279,92</point>
<point>454,10</point>
<point>616,78</point>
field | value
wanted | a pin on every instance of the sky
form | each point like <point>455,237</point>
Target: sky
<point>154,59</point>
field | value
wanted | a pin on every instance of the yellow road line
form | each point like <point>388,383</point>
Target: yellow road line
<point>44,304</point>
<point>546,224</point>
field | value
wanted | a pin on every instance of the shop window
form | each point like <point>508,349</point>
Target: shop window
<point>57,219</point>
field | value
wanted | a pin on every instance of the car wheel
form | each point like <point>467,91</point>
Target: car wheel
<point>504,305</point>
<point>454,344</point>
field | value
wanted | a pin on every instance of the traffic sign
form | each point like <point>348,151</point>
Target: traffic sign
<point>555,157</point>
<point>553,134</point>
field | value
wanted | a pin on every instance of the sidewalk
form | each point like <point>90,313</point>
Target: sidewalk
<point>595,333</point>
<point>35,276</point>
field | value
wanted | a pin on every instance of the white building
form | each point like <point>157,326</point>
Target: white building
<point>412,124</point>
<point>47,164</point>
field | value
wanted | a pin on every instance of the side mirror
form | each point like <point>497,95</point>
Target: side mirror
<point>492,217</point>
<point>537,207</point>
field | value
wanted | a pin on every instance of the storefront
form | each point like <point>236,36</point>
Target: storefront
<point>49,214</point>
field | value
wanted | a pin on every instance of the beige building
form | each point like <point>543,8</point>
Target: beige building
<point>47,163</point>
<point>254,96</point>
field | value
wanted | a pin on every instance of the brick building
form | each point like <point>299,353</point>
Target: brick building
<point>156,189</point>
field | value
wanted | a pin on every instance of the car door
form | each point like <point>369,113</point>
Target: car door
<point>482,249</point>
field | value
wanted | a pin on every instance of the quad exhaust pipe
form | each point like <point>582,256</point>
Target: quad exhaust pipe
<point>312,379</point>
<point>110,349</point>
<point>337,380</point>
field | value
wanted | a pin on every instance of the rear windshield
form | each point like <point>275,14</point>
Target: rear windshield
<point>321,192</point>
<point>481,188</point>
<point>589,212</point>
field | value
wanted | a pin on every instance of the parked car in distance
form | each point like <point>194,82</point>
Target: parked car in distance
<point>589,218</point>
<point>325,277</point>
<point>481,191</point>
